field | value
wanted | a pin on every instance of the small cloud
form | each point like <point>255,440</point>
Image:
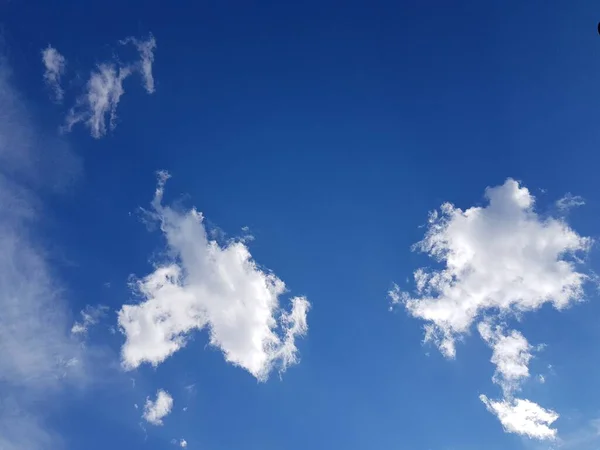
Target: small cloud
<point>569,201</point>
<point>180,443</point>
<point>155,411</point>
<point>511,355</point>
<point>523,417</point>
<point>103,93</point>
<point>541,379</point>
<point>146,49</point>
<point>54,65</point>
<point>104,90</point>
<point>89,317</point>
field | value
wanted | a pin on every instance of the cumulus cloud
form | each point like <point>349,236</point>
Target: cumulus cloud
<point>523,417</point>
<point>497,260</point>
<point>155,411</point>
<point>104,90</point>
<point>38,353</point>
<point>89,317</point>
<point>210,286</point>
<point>54,68</point>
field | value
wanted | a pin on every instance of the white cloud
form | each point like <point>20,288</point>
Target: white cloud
<point>523,417</point>
<point>54,64</point>
<point>156,411</point>
<point>89,317</point>
<point>180,443</point>
<point>38,354</point>
<point>541,379</point>
<point>104,90</point>
<point>500,258</point>
<point>210,286</point>
<point>569,201</point>
<point>511,355</point>
<point>34,331</point>
<point>146,49</point>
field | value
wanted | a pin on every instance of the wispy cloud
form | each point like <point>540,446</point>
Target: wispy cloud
<point>569,201</point>
<point>89,317</point>
<point>103,93</point>
<point>54,65</point>
<point>156,410</point>
<point>500,259</point>
<point>511,355</point>
<point>215,287</point>
<point>146,50</point>
<point>104,90</point>
<point>38,353</point>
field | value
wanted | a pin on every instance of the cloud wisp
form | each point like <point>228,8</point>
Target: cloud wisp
<point>98,104</point>
<point>90,316</point>
<point>38,353</point>
<point>146,50</point>
<point>210,286</point>
<point>498,260</point>
<point>54,69</point>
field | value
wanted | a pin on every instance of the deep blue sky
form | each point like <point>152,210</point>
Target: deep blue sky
<point>330,129</point>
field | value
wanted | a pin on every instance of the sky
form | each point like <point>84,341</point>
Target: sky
<point>298,225</point>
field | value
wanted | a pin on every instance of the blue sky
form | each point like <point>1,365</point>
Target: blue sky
<point>268,295</point>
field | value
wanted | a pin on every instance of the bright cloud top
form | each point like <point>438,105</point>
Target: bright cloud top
<point>104,89</point>
<point>54,65</point>
<point>499,259</point>
<point>502,257</point>
<point>210,286</point>
<point>155,411</point>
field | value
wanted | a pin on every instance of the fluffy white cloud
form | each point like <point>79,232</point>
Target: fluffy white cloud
<point>523,417</point>
<point>180,443</point>
<point>104,89</point>
<point>511,355</point>
<point>210,286</point>
<point>89,317</point>
<point>500,258</point>
<point>155,411</point>
<point>54,68</point>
